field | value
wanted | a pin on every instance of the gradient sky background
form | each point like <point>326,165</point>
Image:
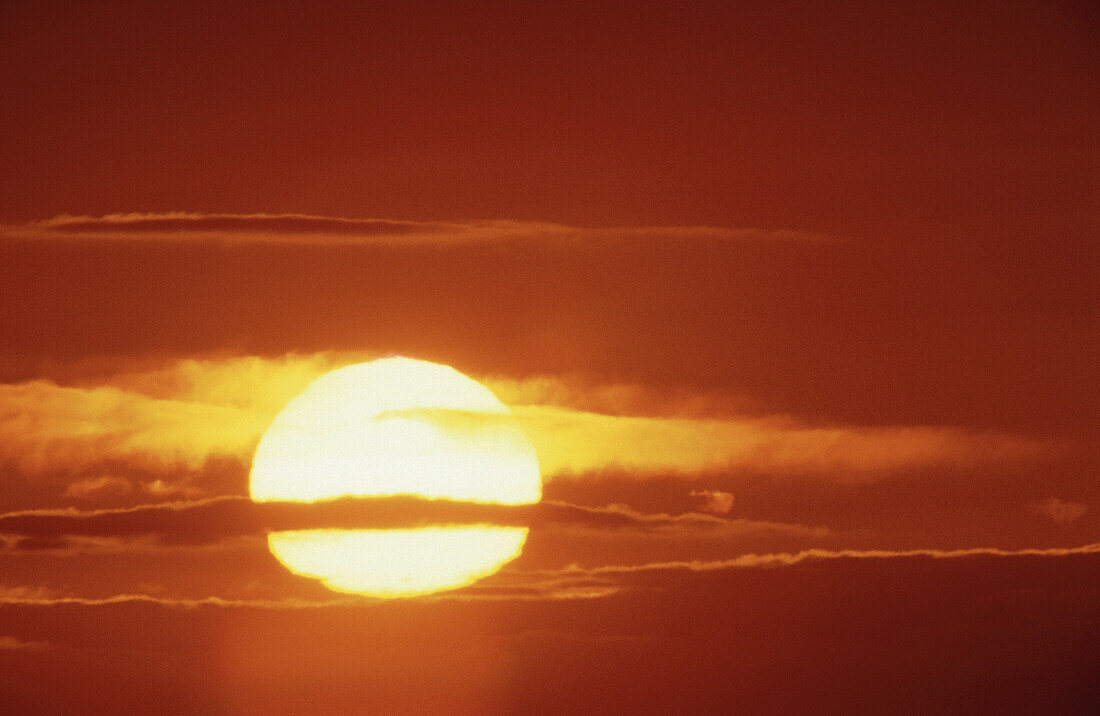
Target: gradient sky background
<point>757,279</point>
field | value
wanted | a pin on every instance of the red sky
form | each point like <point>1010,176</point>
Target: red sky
<point>824,273</point>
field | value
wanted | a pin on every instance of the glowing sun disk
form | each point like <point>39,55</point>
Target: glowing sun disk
<point>388,427</point>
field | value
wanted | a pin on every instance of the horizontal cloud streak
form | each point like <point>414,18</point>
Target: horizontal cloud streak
<point>571,582</point>
<point>124,599</point>
<point>206,521</point>
<point>791,558</point>
<point>173,222</point>
<point>574,442</point>
<point>503,594</point>
<point>307,229</point>
<point>166,422</point>
<point>617,577</point>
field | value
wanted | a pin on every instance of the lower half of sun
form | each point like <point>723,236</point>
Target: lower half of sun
<point>389,427</point>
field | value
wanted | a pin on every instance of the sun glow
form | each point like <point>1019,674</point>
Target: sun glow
<point>389,427</point>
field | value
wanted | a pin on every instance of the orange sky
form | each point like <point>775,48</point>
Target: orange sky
<point>795,301</point>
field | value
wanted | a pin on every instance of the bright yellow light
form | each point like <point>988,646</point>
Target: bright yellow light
<point>394,563</point>
<point>389,427</point>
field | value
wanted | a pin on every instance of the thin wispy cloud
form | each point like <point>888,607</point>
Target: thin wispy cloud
<point>211,520</point>
<point>616,577</point>
<point>572,582</point>
<point>308,229</point>
<point>791,558</point>
<point>215,602</point>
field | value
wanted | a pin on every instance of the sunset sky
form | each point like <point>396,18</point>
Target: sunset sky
<point>795,302</point>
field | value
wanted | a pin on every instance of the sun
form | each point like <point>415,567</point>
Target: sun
<point>389,427</point>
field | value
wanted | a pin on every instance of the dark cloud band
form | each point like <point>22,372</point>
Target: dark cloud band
<point>219,518</point>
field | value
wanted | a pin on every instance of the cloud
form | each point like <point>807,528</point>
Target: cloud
<point>160,426</point>
<point>1060,511</point>
<point>11,643</point>
<point>94,487</point>
<point>716,501</point>
<point>575,442</point>
<point>306,229</point>
<point>45,427</point>
<point>37,596</point>
<point>535,593</point>
<point>616,577</point>
<point>261,384</point>
<point>562,591</point>
<point>572,582</point>
<point>215,519</point>
<point>782,559</point>
<point>54,600</point>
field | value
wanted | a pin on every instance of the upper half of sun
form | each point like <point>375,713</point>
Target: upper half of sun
<point>396,426</point>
